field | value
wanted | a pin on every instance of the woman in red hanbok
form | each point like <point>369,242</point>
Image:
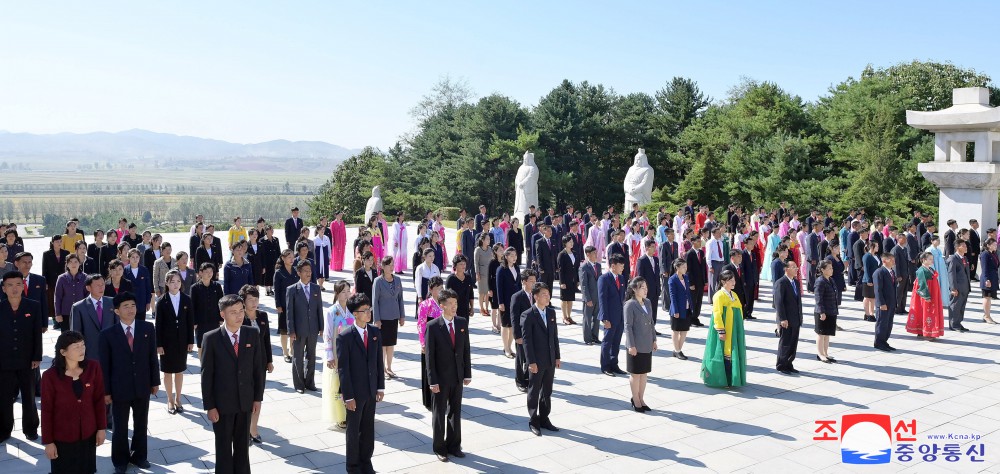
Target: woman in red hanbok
<point>926,318</point>
<point>339,233</point>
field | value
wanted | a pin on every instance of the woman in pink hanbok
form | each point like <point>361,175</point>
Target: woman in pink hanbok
<point>338,231</point>
<point>377,239</point>
<point>399,244</point>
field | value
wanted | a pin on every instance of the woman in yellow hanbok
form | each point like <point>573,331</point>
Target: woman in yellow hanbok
<point>725,361</point>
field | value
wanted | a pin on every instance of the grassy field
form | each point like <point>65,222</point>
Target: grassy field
<point>149,180</point>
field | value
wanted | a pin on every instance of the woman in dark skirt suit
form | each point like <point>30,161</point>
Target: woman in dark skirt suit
<point>990,279</point>
<point>284,276</point>
<point>640,338</point>
<point>491,282</point>
<point>825,311</point>
<point>364,278</point>
<point>256,318</point>
<point>255,254</point>
<point>680,306</point>
<point>270,250</point>
<point>174,337</point>
<point>508,279</point>
<point>569,279</point>
<point>515,238</point>
<point>838,271</point>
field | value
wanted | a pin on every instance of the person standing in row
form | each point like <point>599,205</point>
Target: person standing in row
<point>724,363</point>
<point>70,287</point>
<point>284,276</point>
<point>205,296</point>
<point>360,367</point>
<point>960,281</point>
<point>23,323</point>
<point>338,231</point>
<point>428,311</point>
<point>568,283</point>
<point>449,369</point>
<point>611,293</point>
<point>649,269</point>
<point>590,272</point>
<point>174,338</point>
<point>826,309</point>
<point>142,284</point>
<point>54,266</point>
<point>293,228</point>
<point>304,308</point>
<point>131,376</point>
<point>640,339</point>
<point>884,282</point>
<point>387,310</point>
<point>697,279</point>
<point>238,271</point>
<point>73,409</point>
<point>257,319</point>
<point>337,319</point>
<point>541,348</point>
<point>507,277</point>
<point>989,281</point>
<point>232,385</point>
<point>520,302</point>
<point>678,291</point>
<point>926,318</point>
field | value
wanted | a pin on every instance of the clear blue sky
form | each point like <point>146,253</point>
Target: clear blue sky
<point>349,73</point>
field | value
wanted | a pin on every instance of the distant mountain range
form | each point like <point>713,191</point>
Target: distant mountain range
<point>146,145</point>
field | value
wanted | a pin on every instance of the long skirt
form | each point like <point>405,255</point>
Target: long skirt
<point>333,402</point>
<point>425,389</point>
<point>926,317</point>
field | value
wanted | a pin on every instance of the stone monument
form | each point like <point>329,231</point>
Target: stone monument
<point>968,189</point>
<point>374,203</point>
<point>525,187</point>
<point>638,182</point>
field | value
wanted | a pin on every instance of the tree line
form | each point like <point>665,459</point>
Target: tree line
<point>758,146</point>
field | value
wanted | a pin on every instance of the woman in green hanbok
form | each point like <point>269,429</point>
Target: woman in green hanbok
<point>725,361</point>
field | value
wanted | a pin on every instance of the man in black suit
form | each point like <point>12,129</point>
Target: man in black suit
<point>735,265</point>
<point>541,347</point>
<point>960,282</point>
<point>293,227</point>
<point>131,375</point>
<point>885,280</point>
<point>448,370</point>
<point>913,250</point>
<point>751,273</point>
<point>975,247</point>
<point>949,238</point>
<point>232,384</point>
<point>649,269</point>
<point>22,322</point>
<point>590,272</point>
<point>469,247</point>
<point>697,275</point>
<point>927,237</point>
<point>519,303</point>
<point>35,289</point>
<point>304,313</point>
<point>529,234</point>
<point>788,305</point>
<point>545,256</point>
<point>481,220</point>
<point>668,253</point>
<point>362,385</point>
<point>901,253</point>
<point>813,254</point>
<point>853,277</point>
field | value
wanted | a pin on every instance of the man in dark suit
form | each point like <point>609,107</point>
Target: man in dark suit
<point>589,273</point>
<point>858,253</point>
<point>131,375</point>
<point>541,347</point>
<point>901,253</point>
<point>519,303</point>
<point>927,237</point>
<point>469,247</point>
<point>545,256</point>
<point>667,255</point>
<point>735,265</point>
<point>649,269</point>
<point>885,281</point>
<point>975,246</point>
<point>53,265</point>
<point>750,271</point>
<point>611,297</point>
<point>852,238</point>
<point>448,370</point>
<point>788,305</point>
<point>913,249</point>
<point>950,236</point>
<point>304,309</point>
<point>35,287</point>
<point>293,227</point>
<point>22,322</point>
<point>362,384</point>
<point>812,252</point>
<point>529,234</point>
<point>481,220</point>
<point>697,274</point>
<point>960,282</point>
<point>232,384</point>
<point>93,314</point>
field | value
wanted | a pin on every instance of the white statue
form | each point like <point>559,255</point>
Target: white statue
<point>525,187</point>
<point>638,182</point>
<point>374,203</point>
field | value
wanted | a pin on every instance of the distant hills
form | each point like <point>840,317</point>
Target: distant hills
<point>145,145</point>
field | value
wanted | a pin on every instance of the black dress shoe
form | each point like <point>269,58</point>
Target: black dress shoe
<point>256,439</point>
<point>883,348</point>
<point>31,436</point>
<point>793,370</point>
<point>143,464</point>
<point>534,429</point>
<point>658,333</point>
<point>785,371</point>
<point>441,457</point>
<point>608,373</point>
<point>458,454</point>
<point>826,361</point>
<point>549,426</point>
<point>522,389</point>
<point>300,391</point>
<point>288,359</point>
<point>619,371</point>
<point>831,359</point>
<point>312,388</point>
<point>681,356</point>
<point>121,469</point>
<point>646,408</point>
<point>890,347</point>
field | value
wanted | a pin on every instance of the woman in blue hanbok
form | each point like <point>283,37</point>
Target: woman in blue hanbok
<point>942,270</point>
<point>772,245</point>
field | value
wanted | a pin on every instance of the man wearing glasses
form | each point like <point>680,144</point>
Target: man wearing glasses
<point>360,367</point>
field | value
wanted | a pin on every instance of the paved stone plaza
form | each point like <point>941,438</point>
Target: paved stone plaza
<point>947,386</point>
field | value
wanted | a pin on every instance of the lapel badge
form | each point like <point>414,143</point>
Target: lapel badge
<point>462,330</point>
<point>27,315</point>
<point>374,338</point>
<point>248,345</point>
<point>87,385</point>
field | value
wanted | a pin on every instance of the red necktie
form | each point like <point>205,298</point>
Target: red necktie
<point>595,271</point>
<point>128,336</point>
<point>364,337</point>
<point>618,283</point>
<point>718,246</point>
<point>236,344</point>
<point>451,330</point>
<point>26,287</point>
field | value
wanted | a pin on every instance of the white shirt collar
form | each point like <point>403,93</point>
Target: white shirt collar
<point>126,326</point>
<point>230,334</point>
<point>359,328</point>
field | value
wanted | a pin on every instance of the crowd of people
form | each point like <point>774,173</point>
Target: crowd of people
<point>633,274</point>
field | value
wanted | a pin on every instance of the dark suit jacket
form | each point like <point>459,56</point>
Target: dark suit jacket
<point>201,256</point>
<point>826,297</point>
<point>172,329</point>
<point>507,285</point>
<point>541,340</point>
<point>611,298</point>
<point>304,317</point>
<point>231,383</point>
<point>448,365</point>
<point>545,257</point>
<point>751,272</point>
<point>519,303</point>
<point>21,334</point>
<point>885,288</point>
<point>902,263</point>
<point>362,283</point>
<point>567,270</point>
<point>293,227</point>
<point>83,319</point>
<point>668,253</point>
<point>205,301</point>
<point>959,275</point>
<point>680,295</point>
<point>696,271</point>
<point>129,374</point>
<point>265,336</point>
<point>975,244</point>
<point>37,291</point>
<point>913,247</point>
<point>787,303</point>
<point>142,287</point>
<point>149,258</point>
<point>925,240</point>
<point>360,369</point>
<point>649,269</point>
<point>53,267</point>
<point>813,247</point>
<point>740,288</point>
<point>949,242</point>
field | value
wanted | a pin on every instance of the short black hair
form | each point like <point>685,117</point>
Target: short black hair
<point>616,258</point>
<point>356,301</point>
<point>229,301</point>
<point>539,287</point>
<point>90,278</point>
<point>206,265</point>
<point>303,263</point>
<point>529,273</point>
<point>11,275</point>
<point>445,295</point>
<point>123,297</point>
